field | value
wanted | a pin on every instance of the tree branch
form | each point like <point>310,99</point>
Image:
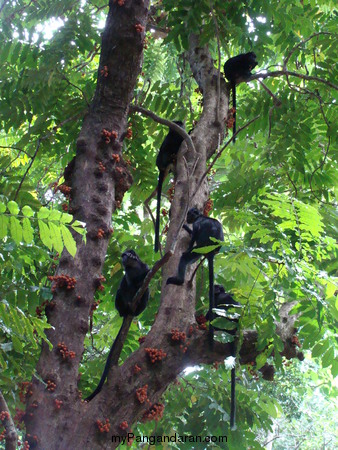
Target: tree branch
<point>11,435</point>
<point>168,123</point>
<point>287,73</point>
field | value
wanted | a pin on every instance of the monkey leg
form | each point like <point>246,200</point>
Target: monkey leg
<point>186,259</point>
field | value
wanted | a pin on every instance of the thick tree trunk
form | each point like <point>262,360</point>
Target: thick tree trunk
<point>97,182</point>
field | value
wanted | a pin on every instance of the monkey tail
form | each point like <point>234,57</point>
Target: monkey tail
<point>211,298</point>
<point>234,107</point>
<point>158,208</point>
<point>233,391</point>
<point>113,355</point>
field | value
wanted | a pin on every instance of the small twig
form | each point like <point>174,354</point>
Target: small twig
<point>156,267</point>
<point>76,87</point>
<point>218,154</point>
<point>30,165</point>
<point>196,269</point>
<point>276,100</point>
<point>301,43</point>
<point>179,130</point>
<point>21,150</point>
<point>219,62</point>
<point>287,73</point>
<point>321,165</point>
<point>11,436</point>
<point>147,81</point>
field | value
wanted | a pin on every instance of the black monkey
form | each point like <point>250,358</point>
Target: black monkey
<point>202,230</point>
<point>135,273</point>
<point>223,300</point>
<point>236,70</point>
<point>165,158</point>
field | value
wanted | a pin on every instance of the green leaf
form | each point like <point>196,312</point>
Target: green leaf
<point>45,234</point>
<point>17,344</point>
<point>13,208</point>
<point>16,229</point>
<point>27,211</point>
<point>68,240</point>
<point>27,230</point>
<point>43,213</point>
<point>55,234</point>
<point>3,226</point>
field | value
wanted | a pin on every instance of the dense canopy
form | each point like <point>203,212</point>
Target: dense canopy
<point>88,90</point>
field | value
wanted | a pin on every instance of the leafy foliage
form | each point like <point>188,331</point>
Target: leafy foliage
<point>275,191</point>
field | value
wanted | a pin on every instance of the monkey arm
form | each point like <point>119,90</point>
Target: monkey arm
<point>186,228</point>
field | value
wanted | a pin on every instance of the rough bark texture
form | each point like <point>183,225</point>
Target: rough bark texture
<point>97,182</point>
<point>94,191</point>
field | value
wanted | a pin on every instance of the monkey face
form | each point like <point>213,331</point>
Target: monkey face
<point>129,258</point>
<point>192,215</point>
<point>252,60</point>
<point>218,289</point>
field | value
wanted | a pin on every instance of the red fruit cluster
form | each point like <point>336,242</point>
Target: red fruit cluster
<point>51,386</point>
<point>295,341</point>
<point>100,233</point>
<point>141,339</point>
<point>120,2</point>
<point>164,212</point>
<point>129,133</point>
<point>32,438</point>
<point>130,440</point>
<point>139,28</point>
<point>230,122</point>
<point>103,426</point>
<point>94,306</point>
<point>65,207</point>
<point>115,157</point>
<point>104,72</point>
<point>65,353</point>
<point>145,43</point>
<point>108,135</point>
<point>64,189</point>
<point>171,193</point>
<point>39,309</point>
<point>178,336</point>
<point>201,320</point>
<point>2,435</point>
<point>25,446</point>
<point>124,425</point>
<point>62,281</point>
<point>155,354</point>
<point>101,280</point>
<point>136,369</point>
<point>165,229</point>
<point>252,371</point>
<point>102,168</point>
<point>191,330</point>
<point>155,412</point>
<point>4,415</point>
<point>58,403</point>
<point>208,207</point>
<point>19,415</point>
<point>141,394</point>
<point>25,390</point>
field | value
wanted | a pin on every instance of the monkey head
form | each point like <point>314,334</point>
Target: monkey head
<point>192,215</point>
<point>129,258</point>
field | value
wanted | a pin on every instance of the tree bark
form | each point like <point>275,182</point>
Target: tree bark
<point>97,182</point>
